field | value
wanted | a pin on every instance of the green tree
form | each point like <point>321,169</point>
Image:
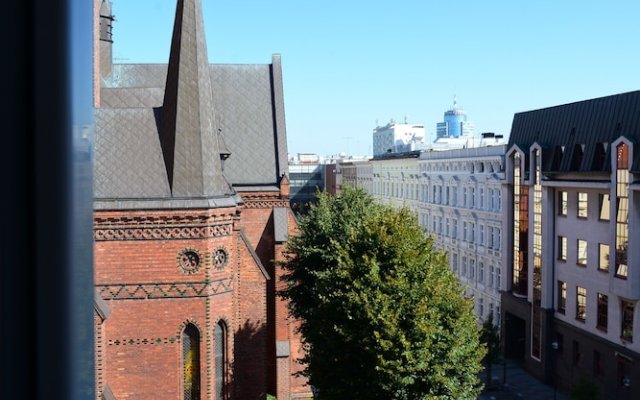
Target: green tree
<point>382,316</point>
<point>490,337</point>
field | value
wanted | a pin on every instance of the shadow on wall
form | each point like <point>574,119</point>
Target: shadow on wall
<point>247,378</point>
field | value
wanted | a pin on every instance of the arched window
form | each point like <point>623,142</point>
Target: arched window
<point>220,359</point>
<point>191,362</point>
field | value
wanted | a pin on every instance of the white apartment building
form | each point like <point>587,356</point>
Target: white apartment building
<point>397,138</point>
<point>460,204</point>
<point>570,301</point>
<point>357,174</point>
<point>396,179</point>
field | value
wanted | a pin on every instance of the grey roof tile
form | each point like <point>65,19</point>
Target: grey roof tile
<point>128,158</point>
<point>131,97</point>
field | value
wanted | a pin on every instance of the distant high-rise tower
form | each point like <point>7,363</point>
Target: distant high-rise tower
<point>455,123</point>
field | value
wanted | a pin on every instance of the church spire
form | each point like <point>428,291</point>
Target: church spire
<point>188,135</point>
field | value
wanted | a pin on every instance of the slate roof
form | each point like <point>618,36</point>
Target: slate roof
<point>236,109</point>
<point>585,129</point>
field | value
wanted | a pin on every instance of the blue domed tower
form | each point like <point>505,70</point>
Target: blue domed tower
<point>455,123</point>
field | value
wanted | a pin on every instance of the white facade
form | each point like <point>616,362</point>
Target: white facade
<point>579,214</point>
<point>397,138</point>
<point>396,180</point>
<point>461,206</point>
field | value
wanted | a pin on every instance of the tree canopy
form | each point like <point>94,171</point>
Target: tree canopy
<point>381,315</point>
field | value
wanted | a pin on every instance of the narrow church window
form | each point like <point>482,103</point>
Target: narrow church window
<point>220,358</point>
<point>191,362</point>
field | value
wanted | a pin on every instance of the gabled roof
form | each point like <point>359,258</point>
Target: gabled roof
<point>575,136</point>
<point>162,129</point>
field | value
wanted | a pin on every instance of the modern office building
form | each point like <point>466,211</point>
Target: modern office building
<point>306,178</point>
<point>397,138</point>
<point>191,208</point>
<point>455,123</point>
<point>460,205</point>
<point>570,305</point>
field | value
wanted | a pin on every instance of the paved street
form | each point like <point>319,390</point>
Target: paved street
<point>520,385</point>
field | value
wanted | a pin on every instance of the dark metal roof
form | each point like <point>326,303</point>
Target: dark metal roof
<point>391,155</point>
<point>575,137</point>
<point>240,109</point>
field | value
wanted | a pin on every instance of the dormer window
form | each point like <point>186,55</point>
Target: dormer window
<point>599,157</point>
<point>578,153</point>
<point>558,153</point>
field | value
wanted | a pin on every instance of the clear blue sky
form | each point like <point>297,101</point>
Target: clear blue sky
<point>350,63</point>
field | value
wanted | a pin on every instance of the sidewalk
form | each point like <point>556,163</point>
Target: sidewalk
<point>520,385</point>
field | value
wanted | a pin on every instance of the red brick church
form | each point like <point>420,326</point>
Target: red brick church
<point>190,211</point>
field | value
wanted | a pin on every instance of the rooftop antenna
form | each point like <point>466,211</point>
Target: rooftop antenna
<point>455,100</point>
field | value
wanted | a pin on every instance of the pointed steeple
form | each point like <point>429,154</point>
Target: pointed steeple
<point>188,135</point>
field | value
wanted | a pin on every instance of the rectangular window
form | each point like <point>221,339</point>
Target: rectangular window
<point>577,356</point>
<point>454,262</point>
<point>491,269</point>
<point>465,231</point>
<point>603,312</point>
<point>562,248</point>
<point>472,269</point>
<point>582,204</point>
<point>481,272</point>
<point>472,193</point>
<point>448,231</point>
<point>563,203</point>
<point>481,238</point>
<point>481,199</point>
<point>455,228</point>
<point>604,206</point>
<point>472,231</point>
<point>480,307</point>
<point>499,199</point>
<point>581,303</point>
<point>623,374</point>
<point>603,257</point>
<point>627,320</point>
<point>464,266</point>
<point>498,278</point>
<point>582,253</point>
<point>598,367</point>
<point>562,297</point>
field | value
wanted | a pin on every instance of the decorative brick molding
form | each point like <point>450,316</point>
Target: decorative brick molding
<point>165,290</point>
<point>263,200</point>
<point>166,233</point>
<point>266,203</point>
<point>142,341</point>
<point>150,219</point>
